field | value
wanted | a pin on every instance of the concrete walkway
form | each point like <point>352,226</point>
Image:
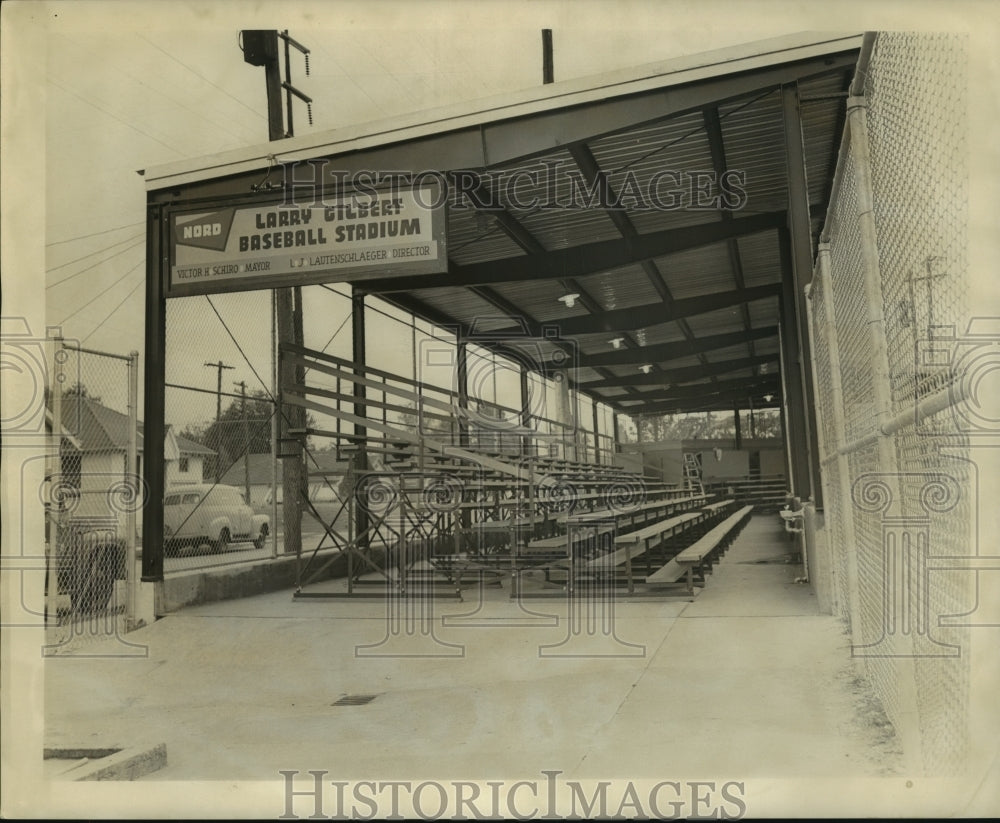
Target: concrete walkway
<point>749,680</point>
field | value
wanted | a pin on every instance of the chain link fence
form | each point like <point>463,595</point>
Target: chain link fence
<point>222,483</point>
<point>888,311</point>
<point>93,500</point>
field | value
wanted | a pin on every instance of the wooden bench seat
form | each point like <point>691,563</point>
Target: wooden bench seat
<point>560,541</point>
<point>701,551</point>
<point>637,544</point>
<point>718,506</point>
<point>647,533</point>
<point>623,512</point>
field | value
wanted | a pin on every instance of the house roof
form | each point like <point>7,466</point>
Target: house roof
<point>95,428</point>
<point>65,435</point>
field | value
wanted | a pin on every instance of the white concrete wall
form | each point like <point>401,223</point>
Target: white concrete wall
<point>174,476</point>
<point>772,461</point>
<point>734,464</point>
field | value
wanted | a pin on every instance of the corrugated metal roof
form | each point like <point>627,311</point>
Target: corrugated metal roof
<point>512,107</point>
<point>474,236</point>
<point>757,255</point>
<point>540,299</point>
<point>621,288</point>
<point>763,312</point>
<point>755,146</point>
<point>728,353</point>
<point>667,332</point>
<point>716,322</point>
<point>647,156</point>
<point>558,228</point>
<point>466,307</point>
<point>697,272</point>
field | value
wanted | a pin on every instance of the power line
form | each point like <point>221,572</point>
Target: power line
<point>95,265</point>
<point>180,102</point>
<point>105,320</point>
<point>113,116</point>
<point>239,348</point>
<point>99,294</point>
<point>92,234</point>
<point>203,77</point>
<point>91,254</point>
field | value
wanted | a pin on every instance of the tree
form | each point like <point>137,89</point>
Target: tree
<point>435,423</point>
<point>241,429</point>
<point>237,431</point>
<point>78,389</point>
<point>708,425</point>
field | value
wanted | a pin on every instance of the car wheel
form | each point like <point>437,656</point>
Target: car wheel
<point>261,538</point>
<point>222,544</point>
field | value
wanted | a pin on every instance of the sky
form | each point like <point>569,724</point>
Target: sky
<point>117,86</point>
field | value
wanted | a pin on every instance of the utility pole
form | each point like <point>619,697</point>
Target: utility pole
<point>260,48</point>
<point>217,440</point>
<point>246,436</point>
<point>548,72</point>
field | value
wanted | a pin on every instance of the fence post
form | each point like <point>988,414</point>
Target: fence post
<point>857,107</point>
<point>275,425</point>
<point>132,461</point>
<point>55,481</point>
<point>845,514</point>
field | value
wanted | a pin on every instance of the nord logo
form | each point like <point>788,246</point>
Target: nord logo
<point>201,230</point>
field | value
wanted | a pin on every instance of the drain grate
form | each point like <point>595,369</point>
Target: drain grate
<point>355,700</point>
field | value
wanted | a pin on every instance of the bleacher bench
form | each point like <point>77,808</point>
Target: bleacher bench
<point>636,544</point>
<point>715,508</point>
<point>701,553</point>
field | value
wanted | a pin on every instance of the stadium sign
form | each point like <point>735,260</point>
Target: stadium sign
<point>352,238</point>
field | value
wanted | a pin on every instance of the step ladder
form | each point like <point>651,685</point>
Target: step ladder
<point>692,473</point>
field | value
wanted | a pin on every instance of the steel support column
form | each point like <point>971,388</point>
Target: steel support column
<point>154,397</point>
<point>462,379</point>
<point>361,521</point>
<point>800,236</point>
<point>793,394</point>
<point>597,438</point>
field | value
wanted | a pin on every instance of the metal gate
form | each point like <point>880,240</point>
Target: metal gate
<point>94,498</point>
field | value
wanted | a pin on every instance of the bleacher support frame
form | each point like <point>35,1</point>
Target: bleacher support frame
<point>427,508</point>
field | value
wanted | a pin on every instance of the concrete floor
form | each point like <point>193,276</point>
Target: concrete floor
<point>748,680</point>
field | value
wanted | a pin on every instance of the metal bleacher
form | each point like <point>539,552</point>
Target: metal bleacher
<point>427,505</point>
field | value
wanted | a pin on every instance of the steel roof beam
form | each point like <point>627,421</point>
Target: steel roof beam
<point>723,403</point>
<point>682,374</point>
<point>671,351</point>
<point>717,148</point>
<point>591,170</point>
<point>723,391</point>
<point>580,261</point>
<point>530,244</point>
<point>640,317</point>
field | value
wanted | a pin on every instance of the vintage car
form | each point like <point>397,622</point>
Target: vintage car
<point>213,514</point>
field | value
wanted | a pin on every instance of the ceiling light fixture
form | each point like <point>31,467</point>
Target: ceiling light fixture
<point>617,342</point>
<point>768,397</point>
<point>569,300</point>
<point>645,368</point>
